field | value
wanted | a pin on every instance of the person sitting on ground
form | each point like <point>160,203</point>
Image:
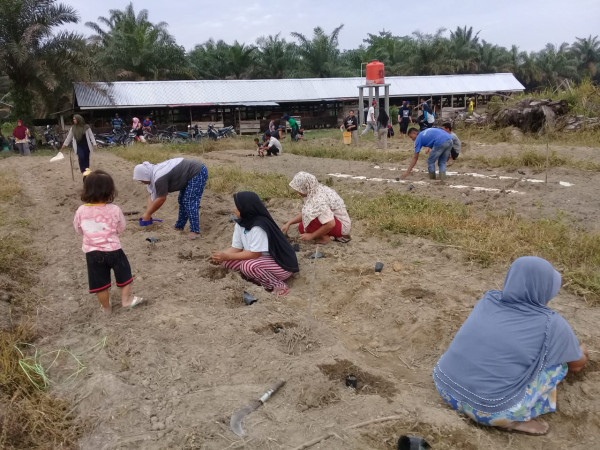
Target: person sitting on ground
<point>259,250</point>
<point>187,176</point>
<point>259,147</point>
<point>439,142</point>
<point>273,146</point>
<point>351,125</point>
<point>324,213</point>
<point>503,366</point>
<point>456,144</point>
<point>100,222</point>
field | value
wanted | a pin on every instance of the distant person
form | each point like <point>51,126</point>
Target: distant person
<point>324,215</point>
<point>273,146</point>
<point>503,366</point>
<point>83,141</point>
<point>456,144</point>
<point>471,106</point>
<point>147,125</point>
<point>439,142</point>
<point>371,122</point>
<point>187,176</point>
<point>100,222</point>
<point>21,135</point>
<point>295,128</point>
<point>351,125</point>
<point>117,123</point>
<point>404,117</point>
<point>382,128</point>
<point>136,127</point>
<point>428,114</point>
<point>259,250</point>
<point>259,147</point>
<point>272,126</point>
<point>421,122</point>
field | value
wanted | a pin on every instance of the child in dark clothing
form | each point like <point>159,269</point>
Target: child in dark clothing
<point>259,147</point>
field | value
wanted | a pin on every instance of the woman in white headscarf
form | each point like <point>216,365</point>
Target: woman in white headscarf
<point>187,176</point>
<point>324,213</point>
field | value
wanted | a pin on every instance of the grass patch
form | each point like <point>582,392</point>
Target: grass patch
<point>227,180</point>
<point>488,238</point>
<point>533,159</point>
<point>490,135</point>
<point>329,148</point>
<point>30,418</point>
<point>10,186</point>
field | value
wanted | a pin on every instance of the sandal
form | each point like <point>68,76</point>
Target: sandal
<point>343,239</point>
<point>136,301</point>
<point>281,292</point>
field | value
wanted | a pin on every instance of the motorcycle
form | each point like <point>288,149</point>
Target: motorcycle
<point>221,133</point>
<point>50,138</point>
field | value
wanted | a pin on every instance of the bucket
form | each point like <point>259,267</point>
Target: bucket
<point>347,137</point>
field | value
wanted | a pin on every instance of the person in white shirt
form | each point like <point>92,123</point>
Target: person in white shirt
<point>273,146</point>
<point>259,250</point>
<point>371,121</point>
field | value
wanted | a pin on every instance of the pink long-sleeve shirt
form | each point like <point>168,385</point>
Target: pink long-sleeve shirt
<point>100,225</point>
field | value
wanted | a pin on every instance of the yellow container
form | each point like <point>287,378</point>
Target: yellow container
<point>347,137</point>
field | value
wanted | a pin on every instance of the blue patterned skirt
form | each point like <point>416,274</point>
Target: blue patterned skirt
<point>540,398</point>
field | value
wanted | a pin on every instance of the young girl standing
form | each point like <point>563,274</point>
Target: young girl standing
<point>100,222</point>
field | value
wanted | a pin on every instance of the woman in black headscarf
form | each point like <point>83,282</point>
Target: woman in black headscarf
<point>259,250</point>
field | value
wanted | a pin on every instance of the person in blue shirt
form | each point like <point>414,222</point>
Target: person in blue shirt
<point>440,143</point>
<point>117,123</point>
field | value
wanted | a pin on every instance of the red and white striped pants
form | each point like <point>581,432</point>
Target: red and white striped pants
<point>264,270</point>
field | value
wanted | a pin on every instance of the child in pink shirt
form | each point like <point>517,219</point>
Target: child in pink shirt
<point>100,222</point>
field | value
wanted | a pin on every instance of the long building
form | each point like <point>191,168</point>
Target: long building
<point>319,101</point>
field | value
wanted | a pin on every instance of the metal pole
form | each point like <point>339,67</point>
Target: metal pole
<point>361,106</point>
<point>387,100</point>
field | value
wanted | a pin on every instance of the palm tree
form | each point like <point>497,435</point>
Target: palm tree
<point>464,49</point>
<point>211,60</point>
<point>556,64</point>
<point>242,60</point>
<point>320,55</point>
<point>37,61</point>
<point>276,57</point>
<point>134,48</point>
<point>430,55</point>
<point>587,52</point>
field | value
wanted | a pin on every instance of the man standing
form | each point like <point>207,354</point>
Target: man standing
<point>293,126</point>
<point>351,125</point>
<point>117,123</point>
<point>440,143</point>
<point>371,124</point>
<point>456,144</point>
<point>404,116</point>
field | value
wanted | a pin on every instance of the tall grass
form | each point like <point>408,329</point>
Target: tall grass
<point>533,159</point>
<point>490,237</point>
<point>227,180</point>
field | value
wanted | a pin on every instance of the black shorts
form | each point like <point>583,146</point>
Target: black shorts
<point>454,154</point>
<point>99,265</point>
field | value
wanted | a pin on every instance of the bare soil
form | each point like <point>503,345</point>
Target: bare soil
<point>170,373</point>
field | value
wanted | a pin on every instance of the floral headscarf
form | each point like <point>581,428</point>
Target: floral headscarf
<point>319,198</point>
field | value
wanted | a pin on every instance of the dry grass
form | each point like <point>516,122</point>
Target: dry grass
<point>533,159</point>
<point>29,417</point>
<point>488,238</point>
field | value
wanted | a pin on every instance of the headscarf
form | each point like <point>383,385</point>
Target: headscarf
<point>319,198</point>
<point>20,131</point>
<point>152,172</point>
<point>136,123</point>
<point>80,128</point>
<point>507,340</point>
<point>254,214</point>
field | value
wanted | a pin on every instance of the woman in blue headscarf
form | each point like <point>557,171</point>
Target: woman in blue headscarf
<point>504,363</point>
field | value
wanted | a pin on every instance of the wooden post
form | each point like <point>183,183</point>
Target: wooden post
<point>387,100</point>
<point>361,106</point>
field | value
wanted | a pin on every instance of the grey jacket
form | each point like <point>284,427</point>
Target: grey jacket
<point>88,135</point>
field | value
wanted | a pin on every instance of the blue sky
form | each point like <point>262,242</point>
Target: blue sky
<point>530,24</point>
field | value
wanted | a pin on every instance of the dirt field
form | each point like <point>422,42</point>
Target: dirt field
<point>170,373</point>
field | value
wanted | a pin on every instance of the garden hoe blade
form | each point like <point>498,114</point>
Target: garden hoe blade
<point>238,417</point>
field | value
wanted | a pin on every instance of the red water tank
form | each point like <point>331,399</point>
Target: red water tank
<point>375,72</point>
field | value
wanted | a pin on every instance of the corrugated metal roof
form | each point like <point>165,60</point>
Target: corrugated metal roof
<point>215,92</point>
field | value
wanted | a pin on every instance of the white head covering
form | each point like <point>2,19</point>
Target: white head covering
<point>319,198</point>
<point>152,172</point>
